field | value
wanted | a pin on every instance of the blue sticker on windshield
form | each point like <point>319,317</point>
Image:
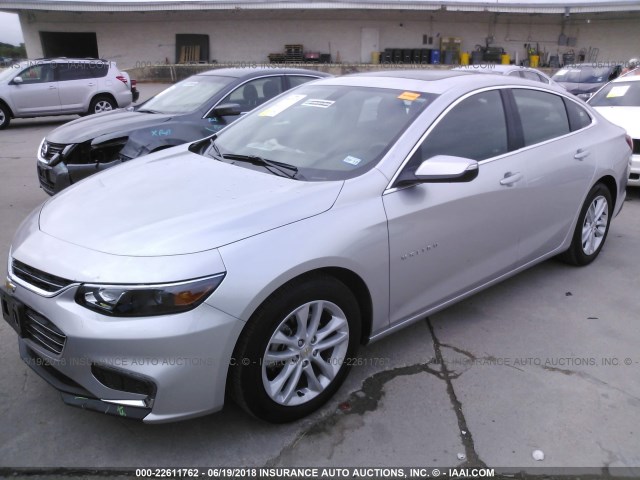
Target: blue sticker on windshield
<point>352,160</point>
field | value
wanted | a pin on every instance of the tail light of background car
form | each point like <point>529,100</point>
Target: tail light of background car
<point>123,79</point>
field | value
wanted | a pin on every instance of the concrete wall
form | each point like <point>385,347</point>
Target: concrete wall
<point>140,39</point>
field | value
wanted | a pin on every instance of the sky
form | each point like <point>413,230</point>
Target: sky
<point>10,31</point>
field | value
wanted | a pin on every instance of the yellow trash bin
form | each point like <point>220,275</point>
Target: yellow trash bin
<point>506,59</point>
<point>464,58</point>
<point>533,60</point>
<point>375,58</point>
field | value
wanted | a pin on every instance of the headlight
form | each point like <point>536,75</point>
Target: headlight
<point>147,300</point>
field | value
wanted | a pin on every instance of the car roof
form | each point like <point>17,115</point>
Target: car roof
<point>435,81</point>
<point>239,72</point>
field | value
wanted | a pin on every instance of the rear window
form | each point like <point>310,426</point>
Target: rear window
<point>543,115</point>
<point>584,74</point>
<point>618,94</point>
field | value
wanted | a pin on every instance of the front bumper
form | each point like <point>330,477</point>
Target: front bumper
<point>53,179</point>
<point>183,359</point>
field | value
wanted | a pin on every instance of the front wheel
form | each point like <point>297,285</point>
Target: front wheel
<point>296,349</point>
<point>5,117</point>
<point>592,227</point>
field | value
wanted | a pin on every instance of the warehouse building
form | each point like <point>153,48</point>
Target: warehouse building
<point>138,33</point>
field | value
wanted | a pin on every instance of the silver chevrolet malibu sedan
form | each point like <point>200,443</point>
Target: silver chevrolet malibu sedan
<point>253,263</point>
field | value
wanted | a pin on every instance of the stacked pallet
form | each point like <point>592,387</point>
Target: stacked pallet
<point>293,53</point>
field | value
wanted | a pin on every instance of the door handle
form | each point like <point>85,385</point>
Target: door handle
<point>91,84</point>
<point>52,87</point>
<point>510,178</point>
<point>581,154</point>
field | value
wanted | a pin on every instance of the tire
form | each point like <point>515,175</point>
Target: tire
<point>5,117</point>
<point>592,227</point>
<point>281,371</point>
<point>102,103</point>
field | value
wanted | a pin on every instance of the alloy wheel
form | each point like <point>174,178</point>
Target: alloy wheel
<point>595,225</point>
<point>305,353</point>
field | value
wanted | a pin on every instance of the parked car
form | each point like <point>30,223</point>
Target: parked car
<point>62,86</point>
<point>584,79</point>
<point>255,261</point>
<point>509,70</point>
<point>189,110</point>
<point>619,102</point>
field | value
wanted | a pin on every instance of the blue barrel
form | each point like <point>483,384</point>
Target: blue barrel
<point>435,56</point>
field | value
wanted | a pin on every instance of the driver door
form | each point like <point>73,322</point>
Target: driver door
<point>38,92</point>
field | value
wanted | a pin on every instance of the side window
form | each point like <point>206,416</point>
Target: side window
<point>515,73</point>
<point>255,92</point>
<point>475,128</point>
<point>543,115</point>
<point>99,69</point>
<point>578,116</point>
<point>296,80</point>
<point>37,74</point>
<point>74,71</point>
<point>530,75</point>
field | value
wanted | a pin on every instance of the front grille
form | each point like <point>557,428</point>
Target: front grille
<point>636,146</point>
<point>41,280</point>
<point>43,332</point>
<point>49,150</point>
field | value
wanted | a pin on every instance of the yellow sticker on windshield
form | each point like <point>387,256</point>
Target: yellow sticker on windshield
<point>618,91</point>
<point>411,96</point>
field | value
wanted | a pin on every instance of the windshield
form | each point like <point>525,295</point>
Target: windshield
<point>187,95</point>
<point>327,132</point>
<point>585,74</point>
<point>618,94</point>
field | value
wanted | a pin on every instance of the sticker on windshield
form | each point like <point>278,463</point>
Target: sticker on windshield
<point>411,96</point>
<point>352,160</point>
<point>561,73</point>
<point>281,105</point>
<point>618,91</point>
<point>314,102</point>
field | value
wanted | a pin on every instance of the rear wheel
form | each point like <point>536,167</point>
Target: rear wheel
<point>102,103</point>
<point>295,350</point>
<point>5,117</point>
<point>592,227</point>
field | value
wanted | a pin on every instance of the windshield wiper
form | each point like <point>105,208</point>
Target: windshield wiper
<point>278,168</point>
<point>146,110</point>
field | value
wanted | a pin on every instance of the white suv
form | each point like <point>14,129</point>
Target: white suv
<point>62,86</point>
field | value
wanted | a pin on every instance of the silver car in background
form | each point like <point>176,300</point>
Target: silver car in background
<point>256,261</point>
<point>62,86</point>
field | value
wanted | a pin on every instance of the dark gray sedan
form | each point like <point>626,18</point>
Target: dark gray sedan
<point>191,109</point>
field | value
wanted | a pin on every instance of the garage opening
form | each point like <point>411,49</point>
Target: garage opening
<point>192,48</point>
<point>73,45</point>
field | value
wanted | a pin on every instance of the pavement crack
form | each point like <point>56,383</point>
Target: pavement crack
<point>472,458</point>
<point>589,378</point>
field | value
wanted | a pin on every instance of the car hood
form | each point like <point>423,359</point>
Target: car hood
<point>625,117</point>
<point>92,126</point>
<point>176,202</point>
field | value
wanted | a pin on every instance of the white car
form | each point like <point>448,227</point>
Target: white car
<point>62,86</point>
<point>619,102</point>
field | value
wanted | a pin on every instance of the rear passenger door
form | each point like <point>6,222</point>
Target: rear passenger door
<point>559,164</point>
<point>76,84</point>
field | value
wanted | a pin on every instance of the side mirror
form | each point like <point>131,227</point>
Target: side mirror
<point>227,110</point>
<point>17,80</point>
<point>446,169</point>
